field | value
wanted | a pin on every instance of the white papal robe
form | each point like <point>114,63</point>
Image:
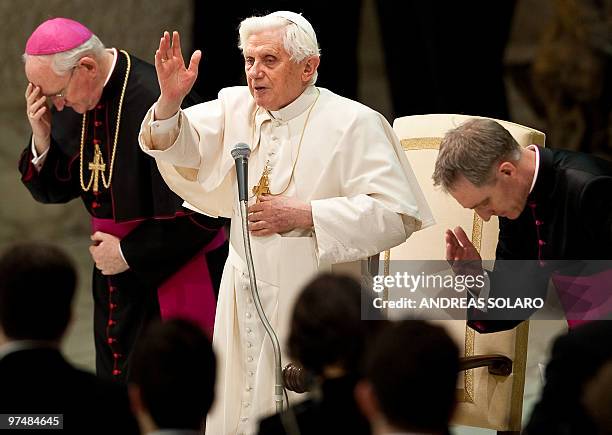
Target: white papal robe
<point>345,161</point>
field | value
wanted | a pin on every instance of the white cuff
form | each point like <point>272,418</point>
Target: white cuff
<point>484,291</point>
<point>39,160</point>
<point>122,257</point>
<point>163,126</point>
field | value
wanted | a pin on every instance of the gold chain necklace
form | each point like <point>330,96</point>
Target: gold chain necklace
<point>97,166</point>
<point>263,187</point>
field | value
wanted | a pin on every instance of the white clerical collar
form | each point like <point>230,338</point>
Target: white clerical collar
<point>112,68</point>
<point>537,165</point>
<point>17,345</point>
<point>296,107</point>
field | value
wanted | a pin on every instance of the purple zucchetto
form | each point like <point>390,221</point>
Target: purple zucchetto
<point>57,35</point>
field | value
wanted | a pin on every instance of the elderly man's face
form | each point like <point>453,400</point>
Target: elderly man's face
<point>74,89</point>
<point>273,78</point>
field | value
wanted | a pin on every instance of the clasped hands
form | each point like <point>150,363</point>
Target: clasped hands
<point>461,253</point>
<point>278,214</point>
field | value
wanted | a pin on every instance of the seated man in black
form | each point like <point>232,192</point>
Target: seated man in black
<point>410,380</point>
<point>173,379</point>
<point>328,338</point>
<point>37,284</point>
<point>554,208</point>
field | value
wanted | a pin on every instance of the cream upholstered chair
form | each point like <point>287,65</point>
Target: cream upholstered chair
<point>486,400</point>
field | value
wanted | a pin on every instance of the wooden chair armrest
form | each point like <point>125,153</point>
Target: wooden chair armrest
<point>297,379</point>
<point>499,365</point>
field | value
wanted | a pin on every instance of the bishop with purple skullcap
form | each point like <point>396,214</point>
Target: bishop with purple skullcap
<point>87,150</point>
<point>57,35</point>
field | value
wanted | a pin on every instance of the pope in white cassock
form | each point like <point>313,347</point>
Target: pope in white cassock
<point>330,184</point>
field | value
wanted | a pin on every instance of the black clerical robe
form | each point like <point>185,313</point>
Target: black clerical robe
<point>568,216</point>
<point>166,235</point>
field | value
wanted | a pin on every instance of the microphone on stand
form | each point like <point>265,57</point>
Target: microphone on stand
<point>241,153</point>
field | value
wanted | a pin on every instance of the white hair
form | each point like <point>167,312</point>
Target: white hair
<point>62,63</point>
<point>296,41</point>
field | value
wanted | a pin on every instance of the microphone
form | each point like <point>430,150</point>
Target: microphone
<point>241,153</point>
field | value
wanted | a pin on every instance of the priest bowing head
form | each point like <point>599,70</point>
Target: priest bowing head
<point>66,64</point>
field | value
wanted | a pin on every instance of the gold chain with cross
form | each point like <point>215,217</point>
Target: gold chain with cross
<point>263,187</point>
<point>97,166</point>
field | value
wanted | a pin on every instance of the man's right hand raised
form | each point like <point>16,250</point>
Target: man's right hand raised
<point>175,80</point>
<point>39,117</point>
<point>461,254</point>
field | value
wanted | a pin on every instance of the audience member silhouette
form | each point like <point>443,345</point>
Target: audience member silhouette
<point>37,286</point>
<point>597,399</point>
<point>328,337</point>
<point>576,358</point>
<point>172,387</point>
<point>410,380</point>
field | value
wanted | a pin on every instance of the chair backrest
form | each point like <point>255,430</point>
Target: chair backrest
<point>485,400</point>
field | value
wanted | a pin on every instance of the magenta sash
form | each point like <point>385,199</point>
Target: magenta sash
<point>584,298</point>
<point>188,293</point>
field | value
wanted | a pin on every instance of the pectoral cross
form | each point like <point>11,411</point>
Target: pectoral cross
<point>97,166</point>
<point>263,187</point>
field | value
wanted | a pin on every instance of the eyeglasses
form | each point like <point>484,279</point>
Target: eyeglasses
<point>62,93</point>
